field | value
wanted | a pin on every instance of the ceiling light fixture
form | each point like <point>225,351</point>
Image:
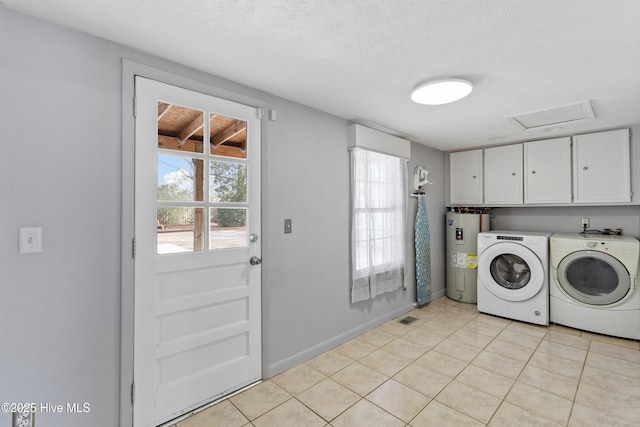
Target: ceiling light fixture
<point>441,91</point>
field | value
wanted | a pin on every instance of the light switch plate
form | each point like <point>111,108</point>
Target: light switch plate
<point>30,240</point>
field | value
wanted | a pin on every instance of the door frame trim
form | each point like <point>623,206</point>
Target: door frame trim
<point>130,69</point>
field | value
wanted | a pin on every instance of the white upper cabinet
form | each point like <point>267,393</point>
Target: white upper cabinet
<point>547,171</point>
<point>589,169</point>
<point>601,167</point>
<point>465,177</point>
<point>503,175</point>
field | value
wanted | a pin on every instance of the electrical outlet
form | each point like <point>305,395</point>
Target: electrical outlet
<point>23,419</point>
<point>585,223</point>
<point>287,226</point>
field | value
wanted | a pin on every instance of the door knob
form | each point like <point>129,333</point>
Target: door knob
<point>254,260</point>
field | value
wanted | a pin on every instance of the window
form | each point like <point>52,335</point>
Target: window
<point>378,212</point>
<point>184,210</point>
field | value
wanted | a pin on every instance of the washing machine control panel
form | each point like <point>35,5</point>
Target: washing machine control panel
<point>518,238</point>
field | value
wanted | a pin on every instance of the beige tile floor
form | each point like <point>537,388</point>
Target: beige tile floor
<point>451,367</point>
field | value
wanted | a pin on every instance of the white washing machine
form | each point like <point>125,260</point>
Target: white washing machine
<point>513,275</point>
<point>593,283</point>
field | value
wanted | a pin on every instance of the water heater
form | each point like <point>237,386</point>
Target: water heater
<point>462,254</point>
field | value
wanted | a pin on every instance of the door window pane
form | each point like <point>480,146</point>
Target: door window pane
<point>179,229</point>
<point>180,178</point>
<point>187,171</point>
<point>228,136</point>
<point>227,182</point>
<point>228,228</point>
<point>180,128</point>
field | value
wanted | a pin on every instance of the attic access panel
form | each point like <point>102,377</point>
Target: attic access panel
<point>554,116</point>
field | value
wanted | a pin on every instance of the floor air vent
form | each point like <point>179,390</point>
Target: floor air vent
<point>408,320</point>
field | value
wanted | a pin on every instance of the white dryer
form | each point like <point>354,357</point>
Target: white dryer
<point>593,283</point>
<point>513,275</point>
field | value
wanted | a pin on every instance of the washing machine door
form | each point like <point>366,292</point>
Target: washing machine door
<point>511,271</point>
<point>593,277</point>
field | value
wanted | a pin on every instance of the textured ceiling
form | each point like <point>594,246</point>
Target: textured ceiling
<point>360,59</point>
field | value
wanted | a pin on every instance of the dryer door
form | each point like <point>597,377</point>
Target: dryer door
<point>593,277</point>
<point>511,271</point>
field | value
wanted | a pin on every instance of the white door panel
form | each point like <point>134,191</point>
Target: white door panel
<point>601,167</point>
<point>197,297</point>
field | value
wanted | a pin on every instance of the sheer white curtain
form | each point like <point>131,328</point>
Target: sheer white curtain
<point>378,213</point>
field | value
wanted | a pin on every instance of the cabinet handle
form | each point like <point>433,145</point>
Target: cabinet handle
<point>533,172</point>
<point>584,168</point>
<point>474,177</point>
<point>513,174</point>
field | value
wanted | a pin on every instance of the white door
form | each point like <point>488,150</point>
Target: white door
<point>547,171</point>
<point>503,175</point>
<point>465,177</point>
<point>601,167</point>
<point>197,224</point>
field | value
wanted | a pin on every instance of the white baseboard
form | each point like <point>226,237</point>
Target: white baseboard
<point>439,293</point>
<point>301,357</point>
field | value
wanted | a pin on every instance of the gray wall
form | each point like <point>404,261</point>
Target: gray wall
<point>306,273</point>
<point>433,161</point>
<point>567,219</point>
<point>61,168</point>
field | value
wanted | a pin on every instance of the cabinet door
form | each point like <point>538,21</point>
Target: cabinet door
<point>547,171</point>
<point>465,177</point>
<point>503,175</point>
<point>601,167</point>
